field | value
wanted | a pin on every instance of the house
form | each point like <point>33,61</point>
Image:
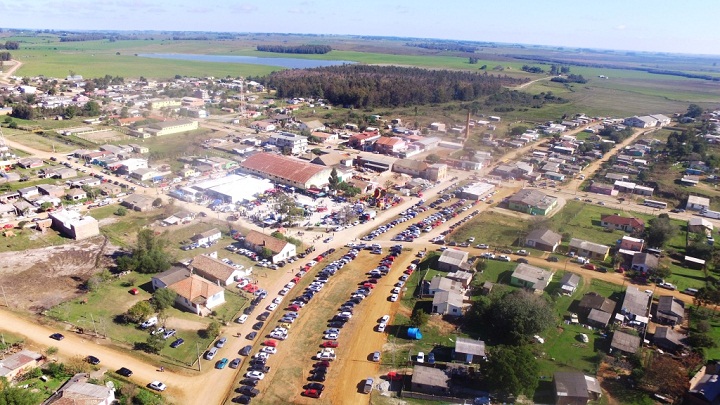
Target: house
<point>180,217</point>
<point>569,283</point>
<point>629,245</point>
<point>169,277</point>
<point>78,391</point>
<point>594,301</point>
<point>603,188</point>
<point>635,305</point>
<point>280,249</point>
<point>531,201</point>
<point>436,171</point>
<point>430,380</point>
<point>705,386</point>
<point>138,202</point>
<point>575,388</point>
<point>73,225</point>
<point>624,342</point>
<point>589,249</point>
<point>312,126</point>
<point>76,194</point>
<point>463,277</point>
<point>531,277</point>
<point>363,141</point>
<point>543,239</point>
<point>670,310</point>
<point>19,363</point>
<point>26,192</point>
<point>695,225</point>
<point>207,237</point>
<point>51,190</point>
<point>452,260</point>
<point>390,145</point>
<point>198,295</point>
<point>640,122</point>
<point>110,189</point>
<point>627,224</point>
<point>447,303</point>
<point>469,351</point>
<point>215,270</point>
<point>263,126</point>
<point>644,262</point>
<point>669,339</point>
<point>439,283</point>
<point>697,203</point>
<point>289,143</point>
<point>598,319</point>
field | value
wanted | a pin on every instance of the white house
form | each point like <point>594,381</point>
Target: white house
<point>447,303</point>
<point>197,295</point>
<point>207,237</point>
<point>280,249</point>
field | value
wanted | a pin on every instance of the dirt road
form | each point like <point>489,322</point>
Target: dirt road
<point>5,76</point>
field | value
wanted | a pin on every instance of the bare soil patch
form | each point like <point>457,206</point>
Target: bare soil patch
<point>38,279</point>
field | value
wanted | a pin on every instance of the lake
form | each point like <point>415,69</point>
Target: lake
<point>290,63</point>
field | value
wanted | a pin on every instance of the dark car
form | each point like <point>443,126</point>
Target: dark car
<point>125,372</point>
<point>235,363</point>
<point>245,350</point>
<point>251,335</point>
<point>317,377</point>
<point>93,360</point>
<point>249,310</point>
<point>259,367</point>
<point>522,260</point>
<point>243,399</point>
<point>258,325</point>
<point>250,382</point>
<point>602,269</point>
<point>553,259</point>
<point>57,336</point>
<point>264,316</point>
<point>249,391</point>
<point>177,343</point>
<point>315,386</point>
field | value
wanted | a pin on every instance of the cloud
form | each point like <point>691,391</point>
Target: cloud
<point>620,27</point>
<point>245,8</point>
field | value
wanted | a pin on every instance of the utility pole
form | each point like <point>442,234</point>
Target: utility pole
<point>92,318</point>
<point>197,349</point>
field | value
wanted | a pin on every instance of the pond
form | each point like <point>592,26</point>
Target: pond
<point>290,63</point>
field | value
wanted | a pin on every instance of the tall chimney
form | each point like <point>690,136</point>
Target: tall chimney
<point>467,127</point>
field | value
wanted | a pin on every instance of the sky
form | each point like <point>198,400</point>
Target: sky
<point>642,25</point>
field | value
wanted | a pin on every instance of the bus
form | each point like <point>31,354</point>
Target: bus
<point>655,204</point>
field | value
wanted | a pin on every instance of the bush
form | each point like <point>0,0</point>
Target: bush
<point>121,211</point>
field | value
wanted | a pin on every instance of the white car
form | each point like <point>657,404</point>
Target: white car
<point>284,291</point>
<point>278,335</point>
<point>331,336</point>
<point>504,258</point>
<point>482,246</point>
<point>157,386</point>
<point>325,356</point>
<point>381,327</point>
<point>255,375</point>
<point>395,290</point>
<point>242,318</point>
<point>261,355</point>
<point>278,300</point>
<point>269,349</point>
<point>421,357</point>
<point>242,283</point>
<point>272,307</point>
<point>394,297</point>
<point>385,318</point>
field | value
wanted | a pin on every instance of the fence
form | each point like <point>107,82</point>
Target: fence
<point>430,397</point>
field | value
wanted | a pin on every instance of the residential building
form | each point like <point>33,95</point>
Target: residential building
<point>531,277</point>
<point>138,202</point>
<point>531,201</point>
<point>447,303</point>
<point>589,249</point>
<point>635,305</point>
<point>78,391</point>
<point>286,170</point>
<point>363,141</point>
<point>469,351</point>
<point>630,244</point>
<point>627,224</point>
<point>475,191</point>
<point>430,380</point>
<point>575,388</point>
<point>280,249</point>
<point>439,283</point>
<point>73,225</point>
<point>312,126</point>
<point>390,145</point>
<point>624,342</point>
<point>641,122</point>
<point>51,190</point>
<point>215,270</point>
<point>411,167</point>
<point>436,171</point>
<point>705,386</point>
<point>76,194</point>
<point>110,189</point>
<point>30,163</point>
<point>569,283</point>
<point>697,203</point>
<point>375,162</point>
<point>198,295</point>
<point>289,143</point>
<point>594,301</point>
<point>644,262</point>
<point>695,225</point>
<point>207,237</point>
<point>543,239</point>
<point>169,277</point>
<point>603,188</point>
<point>452,260</point>
<point>463,277</point>
<point>670,310</point>
<point>668,339</point>
<point>163,103</point>
<point>19,363</point>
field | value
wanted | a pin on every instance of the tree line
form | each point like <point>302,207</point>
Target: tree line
<point>384,86</point>
<point>5,56</point>
<point>10,45</point>
<point>571,78</point>
<point>82,37</point>
<point>26,112</point>
<point>507,98</point>
<point>444,46</point>
<point>298,49</point>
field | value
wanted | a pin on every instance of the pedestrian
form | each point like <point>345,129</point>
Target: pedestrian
<point>162,369</point>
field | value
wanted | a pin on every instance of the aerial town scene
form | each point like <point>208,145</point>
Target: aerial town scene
<point>321,203</point>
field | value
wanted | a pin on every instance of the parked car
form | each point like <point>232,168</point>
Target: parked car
<point>376,356</point>
<point>255,375</point>
<point>235,363</point>
<point>157,386</point>
<point>92,360</point>
<point>177,343</point>
<point>57,336</point>
<point>221,363</point>
<point>125,372</point>
<point>245,350</point>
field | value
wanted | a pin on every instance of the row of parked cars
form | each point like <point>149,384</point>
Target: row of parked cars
<point>403,217</point>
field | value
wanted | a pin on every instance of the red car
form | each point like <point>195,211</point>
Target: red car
<point>319,258</point>
<point>330,343</point>
<point>589,266</point>
<point>408,271</point>
<point>293,308</point>
<point>270,343</point>
<point>369,285</point>
<point>312,393</point>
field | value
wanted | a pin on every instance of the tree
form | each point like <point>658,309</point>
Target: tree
<point>145,397</point>
<point>46,206</point>
<point>154,343</point>
<point>665,375</point>
<point>139,312</point>
<point>698,340</point>
<point>512,370</point>
<point>148,256</point>
<point>266,253</point>
<point>432,158</point>
<point>213,329</point>
<point>164,298</point>
<point>519,130</point>
<point>23,111</point>
<point>517,315</point>
<point>70,111</point>
<point>157,202</point>
<point>121,211</point>
<point>659,232</point>
<point>419,318</point>
<point>333,180</point>
<point>694,111</point>
<point>91,108</point>
<point>12,395</point>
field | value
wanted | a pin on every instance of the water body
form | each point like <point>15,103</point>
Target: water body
<point>290,63</point>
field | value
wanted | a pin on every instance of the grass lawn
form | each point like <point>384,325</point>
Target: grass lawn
<point>30,239</point>
<point>684,277</point>
<point>492,228</point>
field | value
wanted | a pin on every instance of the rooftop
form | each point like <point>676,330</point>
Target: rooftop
<point>625,342</point>
<point>469,346</point>
<point>260,239</point>
<point>589,246</point>
<point>539,277</point>
<point>533,198</point>
<point>453,257</point>
<point>430,376</point>
<point>283,167</point>
<point>212,267</point>
<point>195,289</point>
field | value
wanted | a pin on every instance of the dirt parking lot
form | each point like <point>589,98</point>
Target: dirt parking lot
<point>38,279</point>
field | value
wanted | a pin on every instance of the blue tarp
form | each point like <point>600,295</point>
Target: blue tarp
<point>414,333</point>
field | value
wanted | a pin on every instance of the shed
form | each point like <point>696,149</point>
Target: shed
<point>469,350</point>
<point>430,380</point>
